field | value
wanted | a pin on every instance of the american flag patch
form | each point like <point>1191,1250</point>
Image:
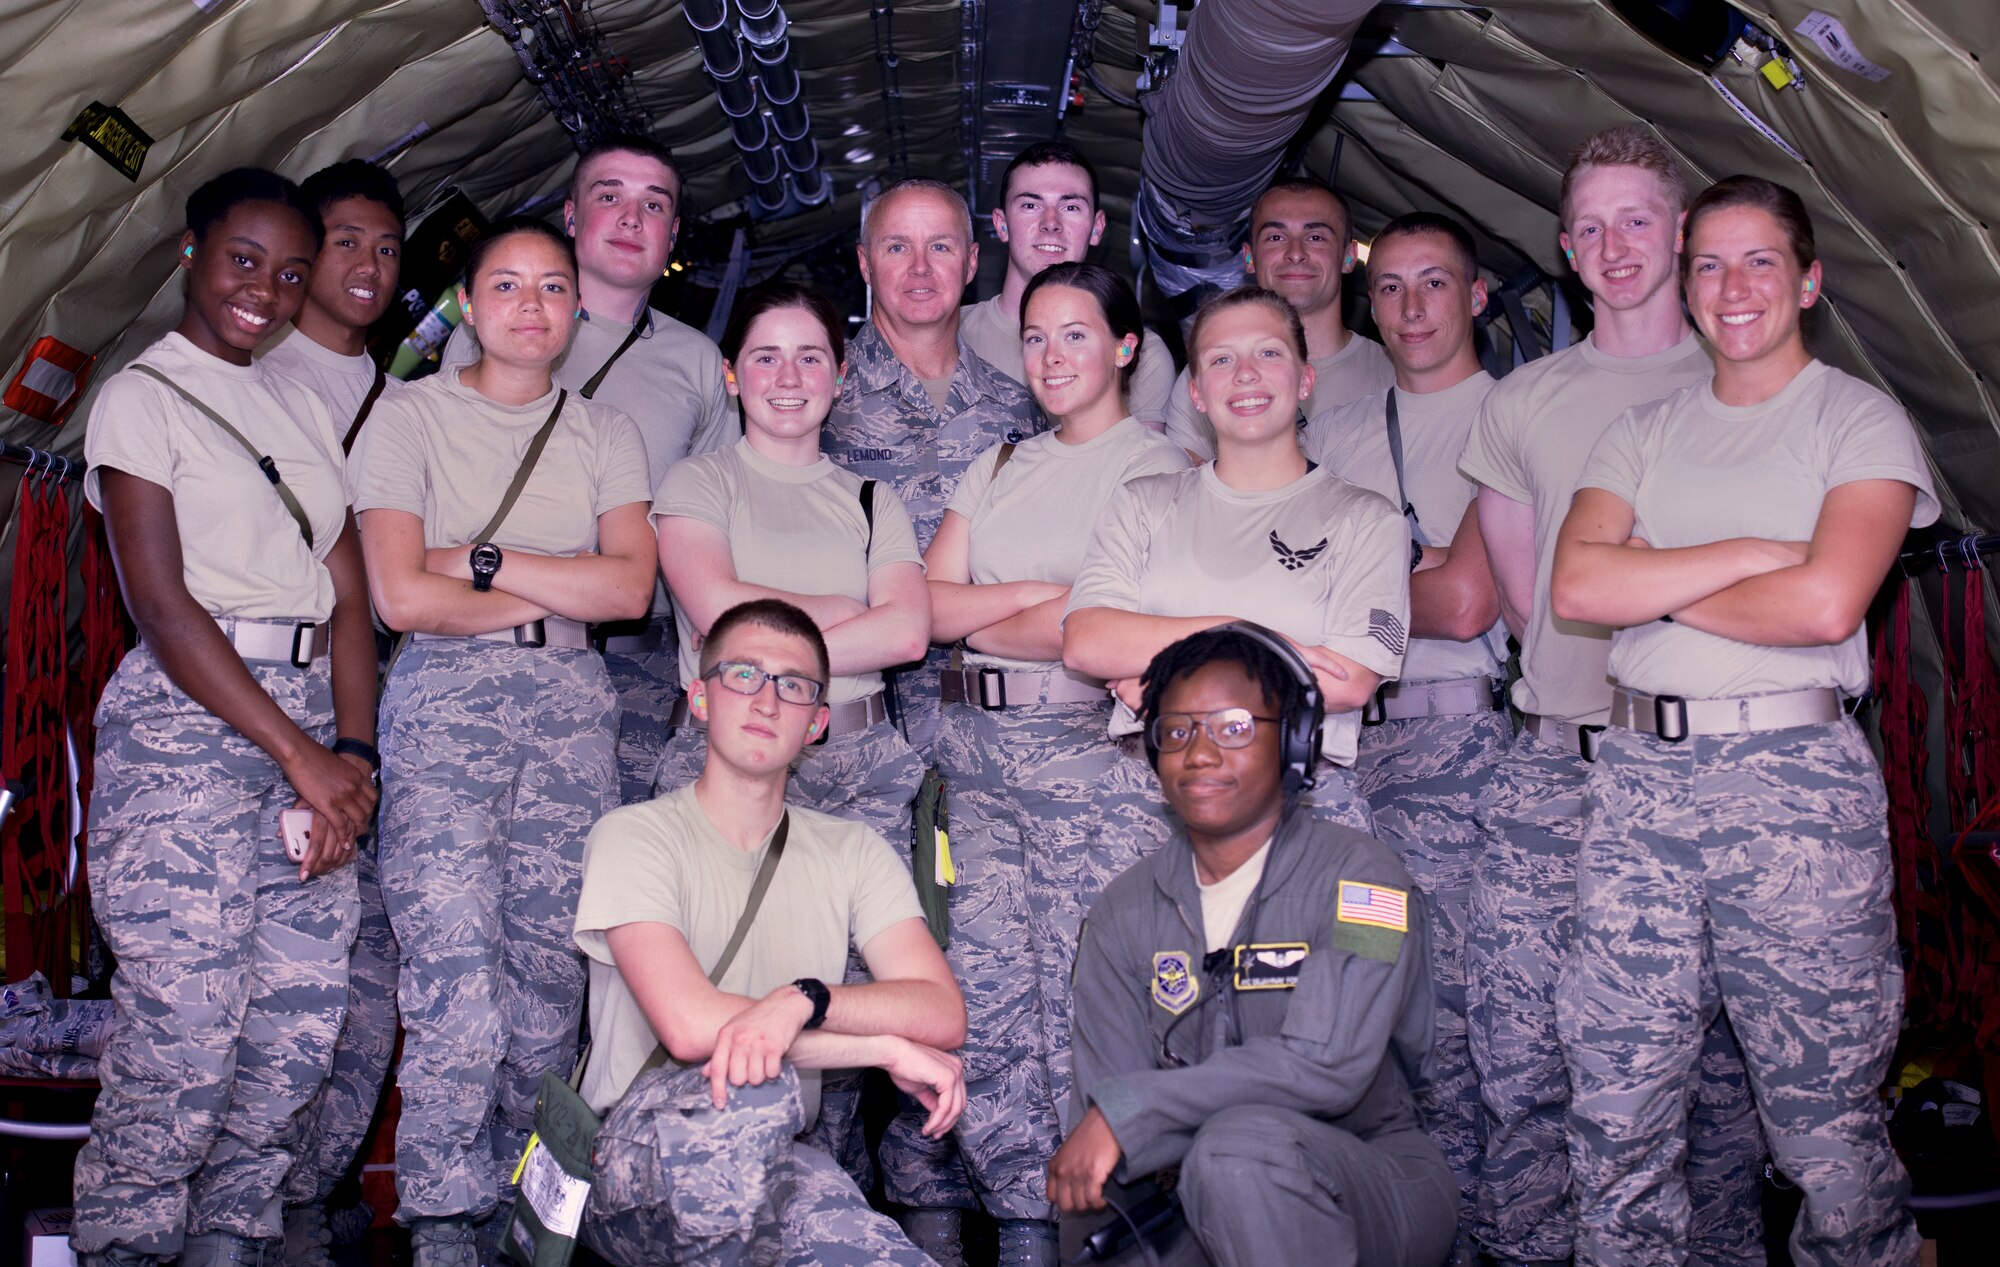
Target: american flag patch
<point>1374,905</point>
<point>1387,630</point>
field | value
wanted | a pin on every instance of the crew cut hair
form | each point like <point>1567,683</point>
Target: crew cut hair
<point>1626,145</point>
<point>1308,185</point>
<point>1048,154</point>
<point>353,178</point>
<point>627,143</point>
<point>1416,222</point>
<point>774,614</point>
<point>911,185</point>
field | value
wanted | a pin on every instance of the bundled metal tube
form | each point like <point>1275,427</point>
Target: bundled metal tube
<point>776,72</point>
<point>761,21</point>
<point>749,131</point>
<point>762,166</point>
<point>801,155</point>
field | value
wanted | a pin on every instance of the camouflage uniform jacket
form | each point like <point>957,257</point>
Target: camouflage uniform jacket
<point>885,427</point>
<point>1328,974</point>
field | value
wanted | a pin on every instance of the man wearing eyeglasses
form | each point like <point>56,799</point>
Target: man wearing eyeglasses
<point>706,1085</point>
<point>1253,1001</point>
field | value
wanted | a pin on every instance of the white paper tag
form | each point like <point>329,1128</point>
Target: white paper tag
<point>555,1195</point>
<point>1831,35</point>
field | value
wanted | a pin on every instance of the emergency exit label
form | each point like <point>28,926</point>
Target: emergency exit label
<point>111,132</point>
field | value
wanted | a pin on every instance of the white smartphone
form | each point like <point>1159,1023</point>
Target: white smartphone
<point>297,826</point>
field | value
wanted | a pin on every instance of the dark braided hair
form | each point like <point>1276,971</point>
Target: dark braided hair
<point>1224,645</point>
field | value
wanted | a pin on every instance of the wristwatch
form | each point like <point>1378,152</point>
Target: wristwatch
<point>486,560</point>
<point>815,989</point>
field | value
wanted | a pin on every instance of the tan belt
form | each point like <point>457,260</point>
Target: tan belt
<point>842,719</point>
<point>992,688</point>
<point>294,642</point>
<point>1573,737</point>
<point>550,631</point>
<point>1673,718</point>
<point>1454,697</point>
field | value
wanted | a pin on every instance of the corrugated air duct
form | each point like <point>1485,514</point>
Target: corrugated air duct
<point>1216,132</point>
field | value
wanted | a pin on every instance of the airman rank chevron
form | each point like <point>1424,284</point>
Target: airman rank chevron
<point>1373,904</point>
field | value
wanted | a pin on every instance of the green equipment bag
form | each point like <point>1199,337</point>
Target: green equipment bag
<point>930,856</point>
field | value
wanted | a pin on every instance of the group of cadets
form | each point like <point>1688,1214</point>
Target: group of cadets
<point>1375,970</point>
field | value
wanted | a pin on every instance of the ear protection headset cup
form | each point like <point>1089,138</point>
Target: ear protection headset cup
<point>1299,738</point>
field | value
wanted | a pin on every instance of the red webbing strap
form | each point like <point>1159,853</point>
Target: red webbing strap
<point>34,850</point>
<point>1919,895</point>
<point>1972,780</point>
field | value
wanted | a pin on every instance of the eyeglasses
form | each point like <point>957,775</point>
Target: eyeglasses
<point>1225,727</point>
<point>748,679</point>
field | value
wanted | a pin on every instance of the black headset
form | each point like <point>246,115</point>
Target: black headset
<point>1298,728</point>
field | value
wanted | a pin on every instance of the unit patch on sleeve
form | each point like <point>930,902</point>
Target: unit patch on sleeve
<point>1272,966</point>
<point>1371,920</point>
<point>1175,987</point>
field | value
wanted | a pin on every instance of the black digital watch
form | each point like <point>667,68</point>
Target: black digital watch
<point>486,559</point>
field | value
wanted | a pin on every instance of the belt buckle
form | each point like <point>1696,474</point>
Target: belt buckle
<point>532,634</point>
<point>1674,707</point>
<point>302,644</point>
<point>1374,712</point>
<point>992,689</point>
<point>1588,739</point>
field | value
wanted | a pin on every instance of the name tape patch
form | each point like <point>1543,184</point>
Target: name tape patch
<point>112,134</point>
<point>1270,966</point>
<point>1175,986</point>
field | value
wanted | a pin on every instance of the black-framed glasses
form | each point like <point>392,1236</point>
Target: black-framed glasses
<point>745,678</point>
<point>1225,727</point>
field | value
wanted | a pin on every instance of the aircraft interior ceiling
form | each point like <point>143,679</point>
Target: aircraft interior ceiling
<point>1891,131</point>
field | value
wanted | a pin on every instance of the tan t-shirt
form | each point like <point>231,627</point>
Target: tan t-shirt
<point>1695,470</point>
<point>1529,442</point>
<point>794,528</point>
<point>341,382</point>
<point>993,332</point>
<point>1352,441</point>
<point>442,451</point>
<point>1357,370</point>
<point>669,382</point>
<point>1033,522</point>
<point>1321,561</point>
<point>241,551</point>
<point>662,861</point>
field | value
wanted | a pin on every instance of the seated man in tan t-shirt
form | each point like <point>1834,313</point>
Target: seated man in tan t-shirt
<point>705,1087</point>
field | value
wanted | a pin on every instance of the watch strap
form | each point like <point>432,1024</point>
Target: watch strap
<point>815,989</point>
<point>345,747</point>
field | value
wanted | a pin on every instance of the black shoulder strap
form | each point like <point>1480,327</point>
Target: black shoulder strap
<point>361,414</point>
<point>528,460</point>
<point>1006,452</point>
<point>1402,489</point>
<point>597,380</point>
<point>868,512</point>
<point>263,461</point>
<point>758,887</point>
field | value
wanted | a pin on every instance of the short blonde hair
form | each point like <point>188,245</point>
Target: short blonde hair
<point>1627,145</point>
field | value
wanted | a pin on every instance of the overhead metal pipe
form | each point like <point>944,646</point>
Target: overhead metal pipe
<point>761,21</point>
<point>812,187</point>
<point>790,120</point>
<point>801,155</point>
<point>706,15</point>
<point>1214,135</point>
<point>776,72</point>
<point>736,96</point>
<point>749,131</point>
<point>762,166</point>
